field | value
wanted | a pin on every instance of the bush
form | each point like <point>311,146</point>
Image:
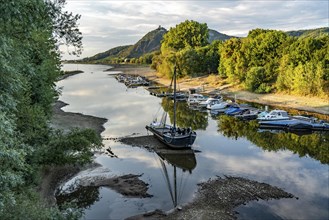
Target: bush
<point>254,79</point>
<point>74,147</point>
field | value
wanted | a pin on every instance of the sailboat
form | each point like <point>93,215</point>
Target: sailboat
<point>171,135</point>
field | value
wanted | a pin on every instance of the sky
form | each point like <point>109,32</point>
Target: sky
<point>106,24</point>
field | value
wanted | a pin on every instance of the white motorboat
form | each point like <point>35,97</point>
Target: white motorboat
<point>274,115</point>
<point>209,101</point>
<point>196,98</point>
<point>219,106</point>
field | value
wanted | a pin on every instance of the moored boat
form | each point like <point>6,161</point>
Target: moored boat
<point>274,115</point>
<point>247,114</point>
<point>171,135</point>
<point>195,98</point>
<point>294,124</point>
<point>209,101</point>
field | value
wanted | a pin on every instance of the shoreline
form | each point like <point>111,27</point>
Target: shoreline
<point>309,104</point>
<point>54,176</point>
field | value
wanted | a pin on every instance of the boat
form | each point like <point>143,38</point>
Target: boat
<point>247,114</point>
<point>195,98</point>
<point>274,115</point>
<point>180,96</point>
<point>222,106</point>
<point>171,135</point>
<point>209,101</point>
<point>294,124</point>
<point>233,110</point>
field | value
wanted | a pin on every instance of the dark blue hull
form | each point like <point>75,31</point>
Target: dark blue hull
<point>294,124</point>
<point>177,140</point>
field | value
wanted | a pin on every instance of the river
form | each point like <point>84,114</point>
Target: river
<point>224,147</point>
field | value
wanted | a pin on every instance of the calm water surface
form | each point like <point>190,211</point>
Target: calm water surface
<point>298,164</point>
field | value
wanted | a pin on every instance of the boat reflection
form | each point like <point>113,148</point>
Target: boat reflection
<point>185,117</point>
<point>180,162</point>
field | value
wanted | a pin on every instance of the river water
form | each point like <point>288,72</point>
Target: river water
<point>224,147</point>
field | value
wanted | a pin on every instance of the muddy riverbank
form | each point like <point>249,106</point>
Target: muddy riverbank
<point>217,198</point>
<point>54,176</point>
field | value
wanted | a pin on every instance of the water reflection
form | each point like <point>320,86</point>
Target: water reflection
<point>315,145</point>
<point>185,162</point>
<point>185,117</point>
<point>82,196</point>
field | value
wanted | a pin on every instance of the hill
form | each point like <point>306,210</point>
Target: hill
<point>112,53</point>
<point>152,41</point>
<point>147,44</point>
<point>309,33</point>
<point>215,35</point>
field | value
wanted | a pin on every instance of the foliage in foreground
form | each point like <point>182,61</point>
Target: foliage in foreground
<point>29,67</point>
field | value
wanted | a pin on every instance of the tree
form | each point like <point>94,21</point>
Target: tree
<point>186,34</point>
<point>304,68</point>
<point>30,32</point>
<point>179,41</point>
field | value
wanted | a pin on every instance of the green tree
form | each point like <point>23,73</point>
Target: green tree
<point>179,42</point>
<point>186,34</point>
<point>255,80</point>
<point>229,54</point>
<point>304,68</point>
<point>30,32</point>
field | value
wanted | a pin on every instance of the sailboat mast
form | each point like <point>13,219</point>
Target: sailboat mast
<point>174,97</point>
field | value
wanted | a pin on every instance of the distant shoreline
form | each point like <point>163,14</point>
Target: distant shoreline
<point>308,104</point>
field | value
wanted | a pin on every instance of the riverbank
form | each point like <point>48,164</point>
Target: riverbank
<point>53,176</point>
<point>210,85</point>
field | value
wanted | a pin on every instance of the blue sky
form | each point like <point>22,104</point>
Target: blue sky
<point>109,23</point>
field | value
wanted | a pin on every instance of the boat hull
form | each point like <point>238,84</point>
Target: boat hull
<point>176,141</point>
<point>294,124</point>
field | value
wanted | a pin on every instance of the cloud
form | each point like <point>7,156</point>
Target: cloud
<point>107,24</point>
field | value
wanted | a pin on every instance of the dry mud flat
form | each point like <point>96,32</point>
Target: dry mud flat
<point>68,120</point>
<point>216,198</point>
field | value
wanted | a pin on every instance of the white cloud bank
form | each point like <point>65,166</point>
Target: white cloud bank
<point>108,23</point>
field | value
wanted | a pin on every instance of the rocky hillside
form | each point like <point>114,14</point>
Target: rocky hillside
<point>149,43</point>
<point>112,53</point>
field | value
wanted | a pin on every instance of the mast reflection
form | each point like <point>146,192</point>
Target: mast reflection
<point>182,162</point>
